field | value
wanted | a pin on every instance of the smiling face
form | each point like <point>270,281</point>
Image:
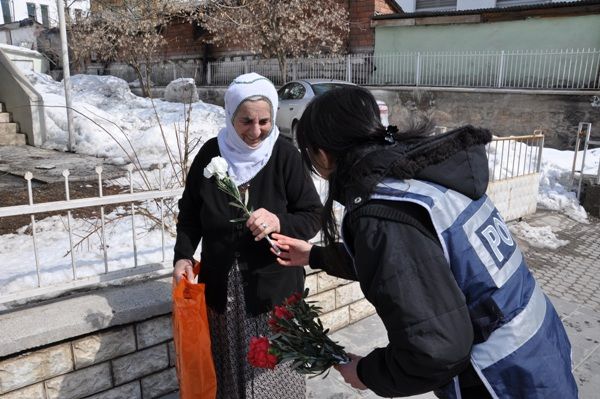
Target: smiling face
<point>252,122</point>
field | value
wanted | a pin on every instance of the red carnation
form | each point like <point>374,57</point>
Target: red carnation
<point>294,298</point>
<point>281,312</point>
<point>274,326</point>
<point>259,356</point>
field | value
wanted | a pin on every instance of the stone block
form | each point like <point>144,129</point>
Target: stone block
<point>127,391</point>
<point>31,392</point>
<point>311,283</point>
<point>347,294</point>
<point>80,383</point>
<point>337,319</point>
<point>325,300</point>
<point>104,346</point>
<point>172,354</point>
<point>160,384</point>
<point>326,282</point>
<point>360,309</point>
<point>181,90</point>
<point>8,129</point>
<point>154,331</point>
<point>139,364</point>
<point>18,372</point>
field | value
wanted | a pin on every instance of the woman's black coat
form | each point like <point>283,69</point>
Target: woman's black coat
<point>282,187</point>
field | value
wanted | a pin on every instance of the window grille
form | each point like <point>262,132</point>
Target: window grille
<point>435,5</point>
<point>509,3</point>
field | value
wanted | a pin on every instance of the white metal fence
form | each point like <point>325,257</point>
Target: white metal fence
<point>515,156</point>
<point>522,69</point>
<point>43,283</point>
<point>509,157</point>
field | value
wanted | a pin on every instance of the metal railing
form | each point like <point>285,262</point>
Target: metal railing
<point>561,69</point>
<point>515,156</point>
<point>508,157</point>
<point>131,199</point>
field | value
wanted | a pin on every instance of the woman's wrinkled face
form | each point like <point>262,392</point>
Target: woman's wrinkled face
<point>252,122</point>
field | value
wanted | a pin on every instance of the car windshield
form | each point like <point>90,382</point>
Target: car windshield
<point>320,88</point>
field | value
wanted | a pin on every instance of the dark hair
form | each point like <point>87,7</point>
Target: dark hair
<point>345,123</point>
<point>338,121</point>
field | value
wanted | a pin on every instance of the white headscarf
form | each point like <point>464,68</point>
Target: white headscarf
<point>245,162</point>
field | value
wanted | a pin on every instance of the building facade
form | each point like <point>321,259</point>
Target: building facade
<point>410,6</point>
<point>44,12</point>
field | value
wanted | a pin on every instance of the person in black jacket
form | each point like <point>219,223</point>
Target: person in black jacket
<point>243,280</point>
<point>463,314</point>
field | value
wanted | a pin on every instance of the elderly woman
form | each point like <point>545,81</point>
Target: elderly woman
<point>242,277</point>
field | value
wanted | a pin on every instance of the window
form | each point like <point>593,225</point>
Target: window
<point>292,91</point>
<point>78,14</point>
<point>508,3</point>
<point>435,5</point>
<point>45,17</point>
<point>6,11</point>
<point>31,11</point>
<point>320,88</point>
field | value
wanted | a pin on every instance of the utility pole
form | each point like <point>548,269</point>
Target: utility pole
<point>66,72</point>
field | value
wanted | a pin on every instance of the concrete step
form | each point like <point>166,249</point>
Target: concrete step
<point>15,139</point>
<point>8,128</point>
<point>5,117</point>
<point>9,134</point>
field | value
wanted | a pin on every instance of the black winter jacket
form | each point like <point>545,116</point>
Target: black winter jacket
<point>401,267</point>
<point>284,188</point>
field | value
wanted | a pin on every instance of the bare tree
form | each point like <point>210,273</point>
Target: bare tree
<point>128,31</point>
<point>276,28</point>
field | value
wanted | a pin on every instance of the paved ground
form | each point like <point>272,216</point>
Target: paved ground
<point>570,275</point>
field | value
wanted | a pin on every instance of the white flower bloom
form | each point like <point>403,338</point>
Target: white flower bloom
<point>217,167</point>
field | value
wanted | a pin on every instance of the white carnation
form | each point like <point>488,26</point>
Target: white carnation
<point>217,167</point>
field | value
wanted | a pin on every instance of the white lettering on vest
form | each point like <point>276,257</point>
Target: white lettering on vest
<point>495,234</point>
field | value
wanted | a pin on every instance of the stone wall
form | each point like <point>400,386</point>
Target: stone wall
<point>124,356</point>
<point>130,361</point>
<point>504,112</point>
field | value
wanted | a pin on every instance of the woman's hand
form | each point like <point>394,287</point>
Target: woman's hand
<point>348,372</point>
<point>183,269</point>
<point>294,252</point>
<point>262,222</point>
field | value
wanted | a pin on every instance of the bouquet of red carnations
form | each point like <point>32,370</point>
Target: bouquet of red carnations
<point>297,336</point>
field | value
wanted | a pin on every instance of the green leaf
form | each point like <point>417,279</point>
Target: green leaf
<point>236,205</point>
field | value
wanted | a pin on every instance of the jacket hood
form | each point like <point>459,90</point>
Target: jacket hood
<point>456,160</point>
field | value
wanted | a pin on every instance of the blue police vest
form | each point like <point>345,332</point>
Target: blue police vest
<point>521,348</point>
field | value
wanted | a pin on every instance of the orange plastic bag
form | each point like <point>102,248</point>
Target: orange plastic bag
<point>195,368</point>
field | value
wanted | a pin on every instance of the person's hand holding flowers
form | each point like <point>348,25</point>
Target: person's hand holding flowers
<point>298,337</point>
<point>260,219</point>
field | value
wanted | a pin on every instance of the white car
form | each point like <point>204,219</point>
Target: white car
<point>295,96</point>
